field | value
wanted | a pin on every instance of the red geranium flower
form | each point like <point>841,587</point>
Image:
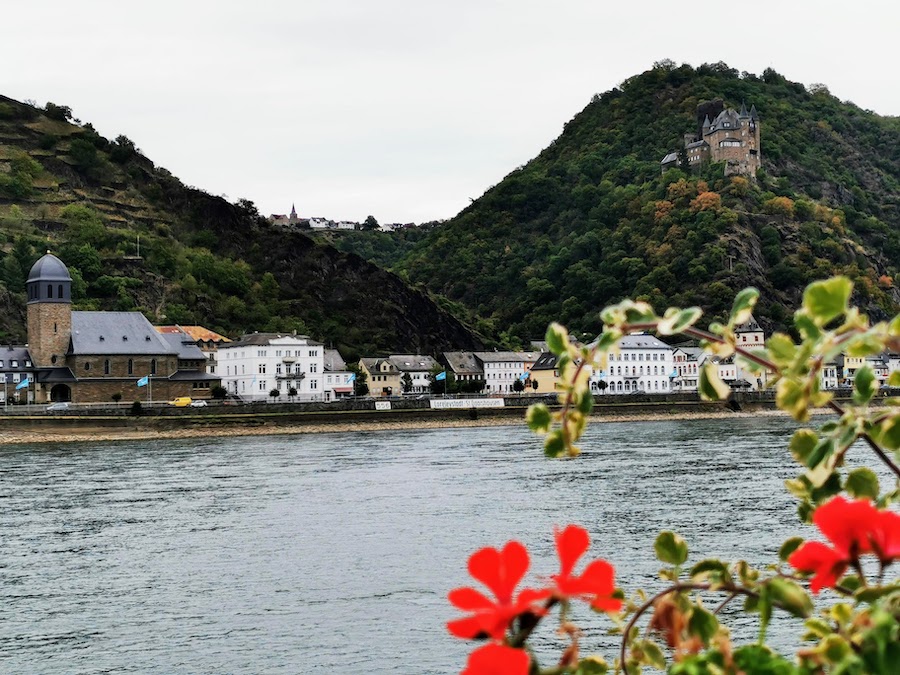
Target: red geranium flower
<point>494,659</point>
<point>854,527</point>
<point>501,571</point>
<point>596,584</point>
<point>886,537</point>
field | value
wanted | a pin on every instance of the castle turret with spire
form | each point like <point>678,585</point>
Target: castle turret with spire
<point>729,136</point>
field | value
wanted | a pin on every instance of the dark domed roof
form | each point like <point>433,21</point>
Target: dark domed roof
<point>49,268</point>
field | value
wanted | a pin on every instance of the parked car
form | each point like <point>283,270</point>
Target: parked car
<point>58,406</point>
<point>200,403</point>
<point>181,402</point>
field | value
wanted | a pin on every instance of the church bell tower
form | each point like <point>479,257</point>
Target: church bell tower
<point>49,289</point>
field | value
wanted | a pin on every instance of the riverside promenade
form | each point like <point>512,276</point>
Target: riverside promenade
<point>163,421</point>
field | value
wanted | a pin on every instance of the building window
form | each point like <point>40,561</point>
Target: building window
<point>312,367</point>
<point>278,369</point>
<point>313,384</point>
<point>50,291</point>
<point>106,367</point>
<point>59,292</point>
<point>131,366</point>
<point>153,366</point>
<point>262,368</point>
<point>262,385</point>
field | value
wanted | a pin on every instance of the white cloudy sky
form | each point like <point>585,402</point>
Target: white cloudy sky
<point>403,109</point>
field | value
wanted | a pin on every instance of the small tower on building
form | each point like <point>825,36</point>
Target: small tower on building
<point>49,289</point>
<point>293,217</point>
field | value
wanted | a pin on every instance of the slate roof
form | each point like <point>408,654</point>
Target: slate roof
<point>641,342</point>
<point>696,144</point>
<point>506,357</point>
<point>412,362</point>
<point>18,354</point>
<point>374,364</point>
<point>334,362</point>
<point>671,157</point>
<point>547,361</point>
<point>116,333</point>
<point>749,326</point>
<point>264,339</point>
<point>49,268</point>
<point>462,363</point>
<point>183,344</point>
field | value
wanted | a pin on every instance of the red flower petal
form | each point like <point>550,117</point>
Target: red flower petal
<point>467,628</point>
<point>847,524</point>
<point>886,536</point>
<point>826,563</point>
<point>607,604</point>
<point>497,660</point>
<point>597,578</point>
<point>468,599</point>
<point>501,570</point>
<point>571,544</point>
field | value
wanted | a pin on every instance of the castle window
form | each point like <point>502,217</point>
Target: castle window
<point>50,291</point>
<point>59,293</point>
<point>54,327</point>
<point>106,367</point>
<point>131,366</point>
<point>87,365</point>
<point>53,359</point>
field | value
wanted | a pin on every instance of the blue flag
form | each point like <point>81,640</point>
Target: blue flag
<point>24,383</point>
<point>143,382</point>
<point>440,376</point>
<point>352,377</point>
<point>524,376</point>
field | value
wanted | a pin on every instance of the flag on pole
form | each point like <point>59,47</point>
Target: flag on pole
<point>440,376</point>
<point>352,377</point>
<point>524,376</point>
<point>24,383</point>
<point>143,382</point>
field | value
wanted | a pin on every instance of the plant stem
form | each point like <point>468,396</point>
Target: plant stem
<point>882,455</point>
<point>528,625</point>
<point>675,588</point>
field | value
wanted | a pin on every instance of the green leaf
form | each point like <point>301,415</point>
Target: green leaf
<point>585,403</point>
<point>828,299</point>
<point>802,444</point>
<point>670,548</point>
<point>870,594</point>
<point>889,432</point>
<point>554,445</point>
<point>822,451</point>
<point>894,379</point>
<point>702,624</point>
<point>592,665</point>
<point>710,386</point>
<point>790,396</point>
<point>862,482</point>
<point>789,547</point>
<point>652,654</point>
<point>790,597</point>
<point>744,302</point>
<point>709,566</point>
<point>781,349</point>
<point>679,320</point>
<point>539,418</point>
<point>557,338</point>
<point>864,386</point>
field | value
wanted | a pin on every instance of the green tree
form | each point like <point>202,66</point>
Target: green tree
<point>218,392</point>
<point>274,393</point>
<point>406,383</point>
<point>370,223</point>
<point>360,381</point>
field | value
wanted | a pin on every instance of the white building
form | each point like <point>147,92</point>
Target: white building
<point>502,369</point>
<point>687,362</point>
<point>418,368</point>
<point>256,364</point>
<point>642,363</point>
<point>337,378</point>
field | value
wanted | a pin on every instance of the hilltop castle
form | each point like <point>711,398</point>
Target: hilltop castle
<point>731,137</point>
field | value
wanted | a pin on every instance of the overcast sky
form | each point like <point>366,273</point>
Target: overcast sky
<point>402,109</point>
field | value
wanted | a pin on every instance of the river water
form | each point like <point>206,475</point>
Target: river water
<point>334,552</point>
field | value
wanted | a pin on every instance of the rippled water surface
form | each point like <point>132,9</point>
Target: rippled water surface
<point>334,552</point>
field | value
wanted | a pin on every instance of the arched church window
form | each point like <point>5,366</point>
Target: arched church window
<point>131,366</point>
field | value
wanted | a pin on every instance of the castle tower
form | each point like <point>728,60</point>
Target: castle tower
<point>49,289</point>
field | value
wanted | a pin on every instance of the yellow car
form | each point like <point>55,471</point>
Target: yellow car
<point>181,402</point>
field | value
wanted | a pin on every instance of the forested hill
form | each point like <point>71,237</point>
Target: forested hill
<point>591,219</point>
<point>134,237</point>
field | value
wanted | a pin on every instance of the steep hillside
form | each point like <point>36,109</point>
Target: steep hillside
<point>591,219</point>
<point>135,237</point>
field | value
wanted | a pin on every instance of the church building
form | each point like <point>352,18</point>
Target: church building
<point>88,357</point>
